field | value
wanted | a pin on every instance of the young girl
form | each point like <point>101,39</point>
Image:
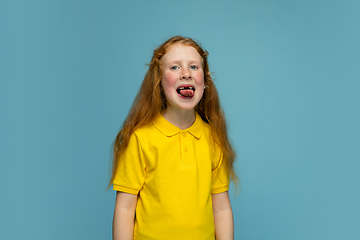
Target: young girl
<point>172,158</point>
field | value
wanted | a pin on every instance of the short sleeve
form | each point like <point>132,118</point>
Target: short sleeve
<point>220,177</point>
<point>130,174</point>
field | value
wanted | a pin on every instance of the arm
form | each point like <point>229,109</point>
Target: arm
<point>124,215</point>
<point>223,217</point>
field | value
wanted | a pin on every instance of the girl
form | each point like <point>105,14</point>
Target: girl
<point>172,158</point>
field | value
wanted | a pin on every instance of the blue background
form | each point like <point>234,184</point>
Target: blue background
<point>288,77</point>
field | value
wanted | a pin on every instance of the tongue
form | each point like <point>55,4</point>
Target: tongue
<point>187,93</point>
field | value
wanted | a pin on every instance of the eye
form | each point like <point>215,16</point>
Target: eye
<point>193,67</point>
<point>174,68</point>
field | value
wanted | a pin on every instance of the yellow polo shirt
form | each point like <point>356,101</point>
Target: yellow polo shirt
<point>174,172</point>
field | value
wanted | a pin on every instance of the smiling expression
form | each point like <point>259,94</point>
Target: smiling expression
<point>182,76</point>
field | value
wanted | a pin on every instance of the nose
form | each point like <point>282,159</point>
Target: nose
<point>185,74</point>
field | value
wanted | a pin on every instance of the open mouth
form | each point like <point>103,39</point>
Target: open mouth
<point>186,91</point>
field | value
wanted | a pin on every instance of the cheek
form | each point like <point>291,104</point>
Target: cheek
<point>168,79</point>
<point>199,77</point>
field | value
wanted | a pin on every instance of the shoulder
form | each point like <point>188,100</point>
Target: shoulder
<point>146,131</point>
<point>210,134</point>
<point>143,132</point>
<point>207,127</point>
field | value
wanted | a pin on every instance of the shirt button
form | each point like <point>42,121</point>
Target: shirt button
<point>184,134</point>
<point>185,149</point>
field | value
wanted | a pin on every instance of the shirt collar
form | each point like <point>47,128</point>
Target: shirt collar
<point>169,130</point>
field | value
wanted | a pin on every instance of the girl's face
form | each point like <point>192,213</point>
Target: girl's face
<point>182,76</point>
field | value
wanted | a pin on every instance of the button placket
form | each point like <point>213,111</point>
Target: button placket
<point>186,155</point>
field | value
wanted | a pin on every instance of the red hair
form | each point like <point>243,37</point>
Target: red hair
<point>150,101</point>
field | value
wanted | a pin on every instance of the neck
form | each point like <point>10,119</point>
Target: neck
<point>181,118</point>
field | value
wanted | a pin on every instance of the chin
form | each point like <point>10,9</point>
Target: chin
<point>187,106</point>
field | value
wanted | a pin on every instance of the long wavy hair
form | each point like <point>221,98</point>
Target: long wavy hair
<point>150,101</point>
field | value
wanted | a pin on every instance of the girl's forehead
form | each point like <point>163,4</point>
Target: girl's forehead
<point>178,46</point>
<point>180,50</point>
